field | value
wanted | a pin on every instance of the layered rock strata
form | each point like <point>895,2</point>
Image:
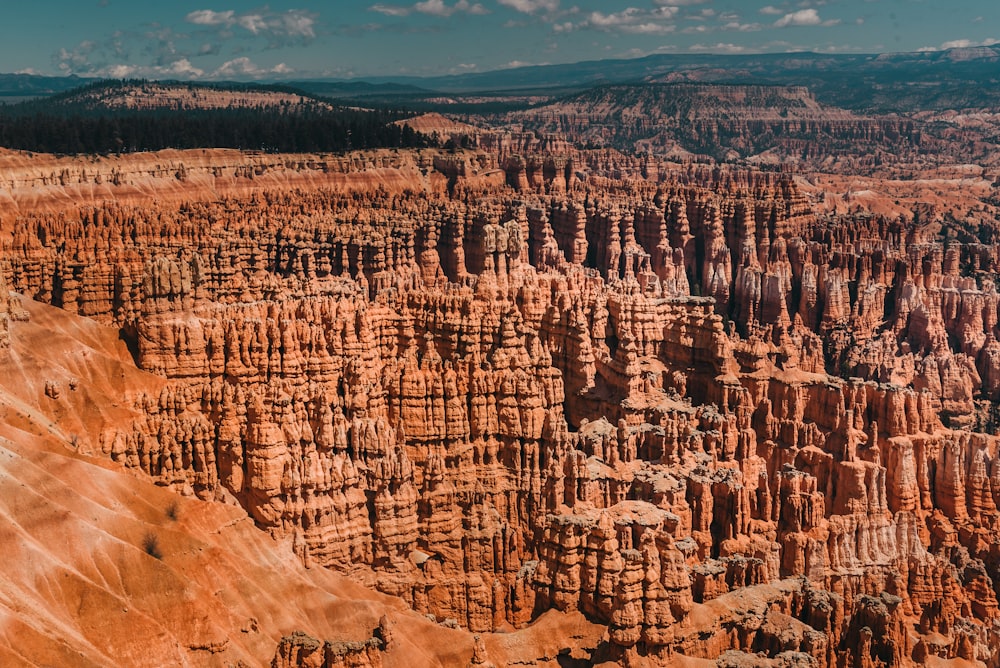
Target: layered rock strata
<point>690,407</point>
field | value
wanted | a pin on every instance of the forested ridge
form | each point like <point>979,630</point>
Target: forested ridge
<point>71,123</point>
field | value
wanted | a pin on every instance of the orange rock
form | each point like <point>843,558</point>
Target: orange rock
<point>637,391</point>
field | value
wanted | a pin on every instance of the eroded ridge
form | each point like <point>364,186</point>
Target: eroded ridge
<point>681,401</point>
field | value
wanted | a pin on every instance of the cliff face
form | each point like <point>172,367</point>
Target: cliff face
<point>771,123</point>
<point>104,568</point>
<point>32,183</point>
<point>685,405</point>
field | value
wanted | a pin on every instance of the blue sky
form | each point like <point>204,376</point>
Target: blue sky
<point>233,39</point>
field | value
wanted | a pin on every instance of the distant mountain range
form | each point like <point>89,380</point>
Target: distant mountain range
<point>962,77</point>
<point>780,65</point>
<point>763,124</point>
<point>33,85</point>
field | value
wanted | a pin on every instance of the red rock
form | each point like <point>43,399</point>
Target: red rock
<point>651,400</point>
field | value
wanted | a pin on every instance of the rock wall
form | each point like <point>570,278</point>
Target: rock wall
<point>10,310</point>
<point>771,124</point>
<point>663,402</point>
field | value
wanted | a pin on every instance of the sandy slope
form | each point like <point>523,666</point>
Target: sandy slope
<point>78,585</point>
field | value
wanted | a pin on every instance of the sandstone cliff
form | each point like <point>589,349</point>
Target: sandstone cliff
<point>682,403</point>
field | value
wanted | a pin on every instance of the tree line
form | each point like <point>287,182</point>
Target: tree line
<point>57,125</point>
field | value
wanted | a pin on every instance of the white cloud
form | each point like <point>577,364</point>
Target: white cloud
<point>239,68</point>
<point>77,59</point>
<point>434,8</point>
<point>207,17</point>
<point>177,69</point>
<point>162,52</point>
<point>721,47</point>
<point>520,63</point>
<point>290,24</point>
<point>961,44</point>
<point>181,68</point>
<point>599,20</point>
<point>299,23</point>
<point>244,67</point>
<point>531,6</point>
<point>742,27</point>
<point>803,17</point>
<point>648,29</point>
<point>770,10</point>
<point>431,8</point>
<point>255,23</point>
<point>439,8</point>
<point>390,10</point>
<point>119,71</point>
<point>630,20</point>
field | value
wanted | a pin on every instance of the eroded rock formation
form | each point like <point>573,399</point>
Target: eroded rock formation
<point>679,401</point>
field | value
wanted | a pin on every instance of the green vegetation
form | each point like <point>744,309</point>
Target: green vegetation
<point>76,122</point>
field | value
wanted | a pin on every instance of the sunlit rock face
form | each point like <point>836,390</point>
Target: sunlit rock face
<point>500,382</point>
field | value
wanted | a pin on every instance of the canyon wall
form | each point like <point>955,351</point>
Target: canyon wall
<point>684,404</point>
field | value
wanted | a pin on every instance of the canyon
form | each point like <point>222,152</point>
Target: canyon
<point>525,402</point>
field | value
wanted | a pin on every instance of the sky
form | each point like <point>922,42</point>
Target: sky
<point>234,39</point>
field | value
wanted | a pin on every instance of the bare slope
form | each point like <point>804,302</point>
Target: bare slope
<point>101,567</point>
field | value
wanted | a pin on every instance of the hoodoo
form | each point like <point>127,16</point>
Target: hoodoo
<point>695,367</point>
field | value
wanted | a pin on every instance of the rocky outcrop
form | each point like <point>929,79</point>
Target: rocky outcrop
<point>661,402</point>
<point>299,650</point>
<point>10,311</point>
<point>771,123</point>
<point>32,183</point>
